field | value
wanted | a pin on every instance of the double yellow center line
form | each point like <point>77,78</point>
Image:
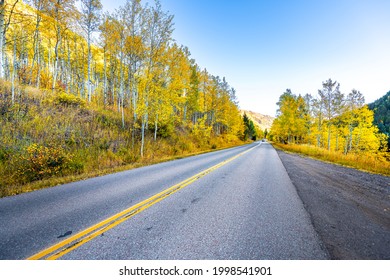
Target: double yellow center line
<point>73,242</point>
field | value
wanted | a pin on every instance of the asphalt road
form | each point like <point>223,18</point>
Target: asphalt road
<point>246,209</point>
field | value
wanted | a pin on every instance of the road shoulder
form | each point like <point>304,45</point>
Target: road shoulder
<point>350,209</point>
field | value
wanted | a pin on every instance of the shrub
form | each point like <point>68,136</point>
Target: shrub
<point>69,100</point>
<point>165,130</point>
<point>39,162</point>
<point>4,154</point>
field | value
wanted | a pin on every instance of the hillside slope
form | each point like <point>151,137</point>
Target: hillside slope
<point>263,121</point>
<point>381,108</point>
<point>48,136</point>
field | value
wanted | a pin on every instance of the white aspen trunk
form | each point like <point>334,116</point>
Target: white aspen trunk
<point>121,82</point>
<point>89,67</point>
<point>2,39</point>
<point>36,43</point>
<point>118,102</point>
<point>123,114</point>
<point>55,70</point>
<point>49,58</point>
<point>112,85</point>
<point>155,128</point>
<point>142,136</point>
<point>346,145</point>
<point>134,116</point>
<point>319,131</point>
<point>105,78</point>
<point>39,67</point>
<point>144,126</point>
<point>185,112</point>
<point>69,71</point>
<point>13,73</point>
<point>147,119</point>
<point>350,139</point>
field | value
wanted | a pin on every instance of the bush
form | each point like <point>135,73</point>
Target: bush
<point>76,166</point>
<point>39,162</point>
<point>165,131</point>
<point>69,100</point>
<point>4,154</point>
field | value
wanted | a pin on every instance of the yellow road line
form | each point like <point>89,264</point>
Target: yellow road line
<point>71,243</point>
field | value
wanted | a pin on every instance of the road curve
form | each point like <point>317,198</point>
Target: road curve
<point>245,209</point>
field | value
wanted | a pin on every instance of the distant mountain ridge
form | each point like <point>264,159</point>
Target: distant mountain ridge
<point>263,121</point>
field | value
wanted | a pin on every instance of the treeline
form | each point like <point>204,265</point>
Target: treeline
<point>381,108</point>
<point>332,120</point>
<point>126,61</point>
<point>83,93</point>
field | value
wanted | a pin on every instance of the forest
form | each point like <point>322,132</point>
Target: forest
<point>333,126</point>
<point>82,90</point>
<point>381,108</point>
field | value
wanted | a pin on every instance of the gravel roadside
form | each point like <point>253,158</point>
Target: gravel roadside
<point>350,209</point>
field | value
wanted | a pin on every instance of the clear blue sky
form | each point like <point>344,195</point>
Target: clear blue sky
<point>263,47</point>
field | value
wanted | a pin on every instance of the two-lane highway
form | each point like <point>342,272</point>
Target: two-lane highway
<point>237,203</point>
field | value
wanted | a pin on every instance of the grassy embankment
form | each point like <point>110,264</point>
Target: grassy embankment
<point>370,163</point>
<point>48,139</point>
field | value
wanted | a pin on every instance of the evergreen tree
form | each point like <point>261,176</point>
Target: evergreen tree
<point>381,108</point>
<point>249,130</point>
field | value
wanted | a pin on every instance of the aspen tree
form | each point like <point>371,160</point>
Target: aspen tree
<point>90,21</point>
<point>134,49</point>
<point>159,28</point>
<point>2,37</point>
<point>355,100</point>
<point>6,12</point>
<point>61,11</point>
<point>39,6</point>
<point>332,99</point>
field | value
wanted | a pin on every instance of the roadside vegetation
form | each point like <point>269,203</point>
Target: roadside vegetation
<point>48,139</point>
<point>72,107</point>
<point>332,127</point>
<point>369,163</point>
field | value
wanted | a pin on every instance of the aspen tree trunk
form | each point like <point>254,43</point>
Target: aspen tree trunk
<point>13,72</point>
<point>319,130</point>
<point>36,46</point>
<point>155,128</point>
<point>105,77</point>
<point>121,72</point>
<point>142,136</point>
<point>55,70</point>
<point>39,66</point>
<point>185,112</point>
<point>69,70</point>
<point>318,140</point>
<point>350,139</point>
<point>89,67</point>
<point>135,97</point>
<point>2,38</point>
<point>123,113</point>
<point>49,57</point>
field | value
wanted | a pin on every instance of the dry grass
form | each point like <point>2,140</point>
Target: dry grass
<point>371,163</point>
<point>55,181</point>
